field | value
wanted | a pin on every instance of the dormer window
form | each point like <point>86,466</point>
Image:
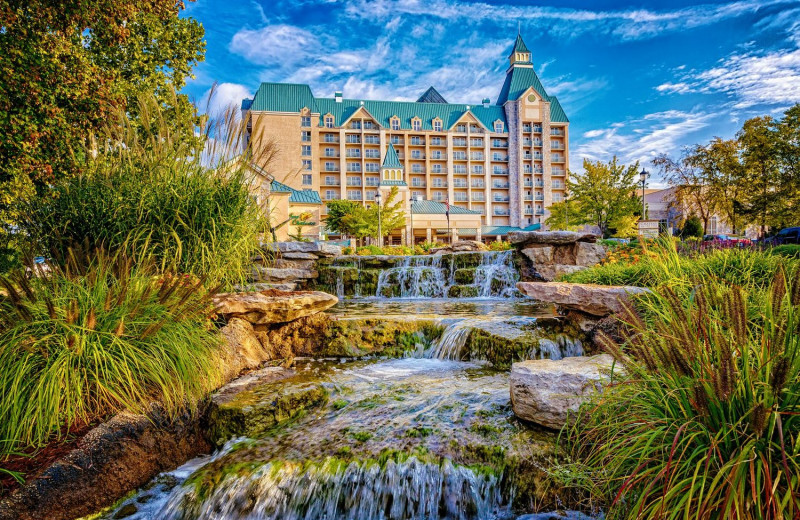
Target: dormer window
<point>498,127</point>
<point>416,124</point>
<point>395,123</point>
<point>437,125</point>
<point>329,121</point>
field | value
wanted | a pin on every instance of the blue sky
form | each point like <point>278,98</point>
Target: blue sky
<point>635,79</point>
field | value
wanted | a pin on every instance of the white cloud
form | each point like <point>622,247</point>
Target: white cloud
<point>219,98</point>
<point>273,45</point>
<point>640,139</point>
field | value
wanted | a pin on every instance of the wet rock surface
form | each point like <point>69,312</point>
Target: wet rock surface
<point>597,300</point>
<point>272,306</point>
<point>548,255</point>
<point>546,391</point>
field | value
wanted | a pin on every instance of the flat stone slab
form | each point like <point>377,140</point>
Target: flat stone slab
<point>597,300</point>
<point>261,308</point>
<point>318,249</point>
<point>288,275</point>
<point>546,391</point>
<point>523,238</point>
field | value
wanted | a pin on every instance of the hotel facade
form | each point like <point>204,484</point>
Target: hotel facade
<point>499,165</point>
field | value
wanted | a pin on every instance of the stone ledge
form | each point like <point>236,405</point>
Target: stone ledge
<point>524,238</point>
<point>260,308</point>
<point>597,300</point>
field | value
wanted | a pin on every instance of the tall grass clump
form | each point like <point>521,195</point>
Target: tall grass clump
<point>96,334</point>
<point>705,423</point>
<point>186,202</point>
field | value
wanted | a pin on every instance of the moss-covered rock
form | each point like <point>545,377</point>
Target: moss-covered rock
<point>254,412</point>
<point>355,338</point>
<point>463,291</point>
<point>465,276</point>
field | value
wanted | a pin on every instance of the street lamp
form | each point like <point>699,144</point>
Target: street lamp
<point>643,175</point>
<point>414,198</point>
<point>378,199</point>
<point>566,212</point>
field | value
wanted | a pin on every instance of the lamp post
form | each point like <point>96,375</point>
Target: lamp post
<point>643,175</point>
<point>413,199</point>
<point>566,212</point>
<point>378,199</point>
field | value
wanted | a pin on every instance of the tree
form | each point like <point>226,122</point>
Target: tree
<point>787,149</point>
<point>689,184</point>
<point>66,68</point>
<point>604,192</point>
<point>692,228</point>
<point>392,214</point>
<point>760,157</point>
<point>337,211</point>
<point>566,215</point>
<point>625,226</point>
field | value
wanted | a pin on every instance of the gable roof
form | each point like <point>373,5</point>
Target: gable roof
<point>391,160</point>
<point>284,97</point>
<point>431,96</point>
<point>296,196</point>
<point>432,207</point>
<point>518,80</point>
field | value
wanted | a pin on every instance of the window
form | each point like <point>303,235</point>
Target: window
<point>330,152</point>
<point>306,164</point>
<point>330,167</point>
<point>370,194</point>
<point>372,139</point>
<point>306,136</point>
<point>416,125</point>
<point>416,140</point>
<point>305,121</point>
<point>436,168</point>
<point>306,150</point>
<point>330,194</point>
<point>498,127</point>
<point>461,128</point>
<point>395,124</point>
<point>356,125</point>
<point>372,154</point>
<point>353,167</point>
<point>353,139</point>
<point>354,181</point>
<point>369,125</point>
<point>437,126</point>
<point>307,179</point>
<point>328,121</point>
<point>373,167</point>
<point>395,139</point>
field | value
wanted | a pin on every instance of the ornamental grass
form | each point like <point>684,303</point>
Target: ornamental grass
<point>705,423</point>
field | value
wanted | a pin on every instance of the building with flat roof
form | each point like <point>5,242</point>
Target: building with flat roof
<point>502,164</point>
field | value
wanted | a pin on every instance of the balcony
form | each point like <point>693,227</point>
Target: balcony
<point>556,131</point>
<point>460,143</point>
<point>417,156</point>
<point>500,158</point>
<point>330,181</point>
<point>537,143</point>
<point>500,185</point>
<point>330,168</point>
<point>437,141</point>
<point>499,172</point>
<point>478,185</point>
<point>417,183</point>
<point>557,158</point>
<point>354,196</point>
<point>353,154</point>
<point>372,181</point>
<point>439,185</point>
<point>330,154</point>
<point>476,156</point>
<point>559,146</point>
<point>460,170</point>
<point>558,172</point>
<point>330,139</point>
<point>528,183</point>
<point>537,129</point>
<point>539,211</point>
<point>396,141</point>
<point>500,212</point>
<point>478,197</point>
<point>458,183</point>
<point>528,197</point>
<point>438,156</point>
<point>439,171</point>
<point>539,196</point>
<point>500,199</point>
<point>526,129</point>
<point>529,211</point>
<point>460,197</point>
<point>477,143</point>
<point>539,184</point>
<point>353,139</point>
<point>496,143</point>
<point>459,156</point>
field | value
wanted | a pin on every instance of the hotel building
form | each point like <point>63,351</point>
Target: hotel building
<point>498,165</point>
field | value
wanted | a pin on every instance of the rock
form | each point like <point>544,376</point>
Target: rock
<point>597,300</point>
<point>270,399</point>
<point>461,246</point>
<point>284,263</point>
<point>266,307</point>
<point>539,254</point>
<point>318,249</point>
<point>546,391</point>
<point>463,291</point>
<point>524,238</point>
<point>551,272</point>
<point>588,254</point>
<point>111,460</point>
<point>273,274</point>
<point>265,286</point>
<point>464,276</point>
<point>299,256</point>
<point>241,349</point>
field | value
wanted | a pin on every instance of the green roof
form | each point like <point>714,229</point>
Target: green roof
<point>383,111</point>
<point>296,196</point>
<point>518,80</point>
<point>491,231</point>
<point>391,160</point>
<point>393,183</point>
<point>519,46</point>
<point>283,97</point>
<point>557,114</point>
<point>432,207</point>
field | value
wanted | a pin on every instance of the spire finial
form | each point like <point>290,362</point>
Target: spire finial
<point>519,27</point>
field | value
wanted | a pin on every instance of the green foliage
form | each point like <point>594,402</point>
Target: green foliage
<point>788,250</point>
<point>566,216</point>
<point>95,335</point>
<point>500,245</point>
<point>692,228</point>
<point>155,196</point>
<point>625,226</point>
<point>337,211</point>
<point>705,423</point>
<point>67,69</point>
<point>603,193</point>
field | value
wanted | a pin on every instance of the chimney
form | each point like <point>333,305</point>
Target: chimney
<point>338,97</point>
<point>486,102</point>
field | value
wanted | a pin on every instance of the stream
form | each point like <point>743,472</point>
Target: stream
<point>421,437</point>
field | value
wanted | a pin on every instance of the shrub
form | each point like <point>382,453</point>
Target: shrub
<point>692,228</point>
<point>96,335</point>
<point>706,422</point>
<point>499,245</point>
<point>787,250</point>
<point>156,196</point>
<point>369,250</point>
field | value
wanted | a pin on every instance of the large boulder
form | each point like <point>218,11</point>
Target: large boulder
<point>546,391</point>
<point>461,246</point>
<point>588,254</point>
<point>260,308</point>
<point>597,300</point>
<point>318,249</point>
<point>524,238</point>
<point>281,275</point>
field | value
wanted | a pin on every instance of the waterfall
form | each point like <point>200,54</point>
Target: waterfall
<point>456,335</point>
<point>429,277</point>
<point>332,489</point>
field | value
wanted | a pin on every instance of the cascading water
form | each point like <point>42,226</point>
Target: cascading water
<point>430,277</point>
